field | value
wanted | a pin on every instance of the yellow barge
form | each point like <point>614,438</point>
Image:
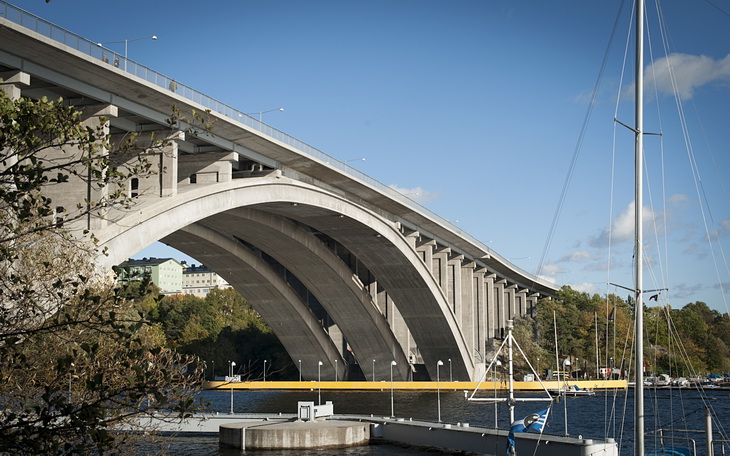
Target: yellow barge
<point>595,385</point>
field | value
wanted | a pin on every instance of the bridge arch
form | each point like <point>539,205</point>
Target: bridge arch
<point>372,239</point>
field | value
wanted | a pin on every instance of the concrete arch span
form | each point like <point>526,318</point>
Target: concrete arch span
<point>330,280</point>
<point>372,239</point>
<point>268,293</point>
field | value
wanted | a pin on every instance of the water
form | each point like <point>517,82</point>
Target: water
<point>587,416</point>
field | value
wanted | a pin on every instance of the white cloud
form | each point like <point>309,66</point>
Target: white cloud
<point>586,287</point>
<point>622,227</point>
<point>685,72</point>
<point>417,194</point>
<point>579,256</point>
<point>725,226</point>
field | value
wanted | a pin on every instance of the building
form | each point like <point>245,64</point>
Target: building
<point>166,273</point>
<point>199,280</point>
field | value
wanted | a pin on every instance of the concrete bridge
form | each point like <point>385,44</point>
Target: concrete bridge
<point>347,271</point>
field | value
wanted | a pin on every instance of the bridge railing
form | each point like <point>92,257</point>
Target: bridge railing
<point>96,50</point>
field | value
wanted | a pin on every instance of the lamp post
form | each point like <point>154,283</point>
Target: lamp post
<point>336,379</point>
<point>213,361</point>
<point>438,388</point>
<point>373,370</point>
<point>538,367</point>
<point>126,44</point>
<point>261,113</point>
<point>231,363</point>
<point>392,410</point>
<point>319,382</point>
<point>451,377</point>
<point>300,370</point>
<point>264,370</point>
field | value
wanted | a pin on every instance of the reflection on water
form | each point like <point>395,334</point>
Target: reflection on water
<point>597,417</point>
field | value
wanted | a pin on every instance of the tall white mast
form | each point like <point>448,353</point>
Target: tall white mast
<point>638,240</point>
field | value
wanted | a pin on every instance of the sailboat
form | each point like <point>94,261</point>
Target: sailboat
<point>637,290</point>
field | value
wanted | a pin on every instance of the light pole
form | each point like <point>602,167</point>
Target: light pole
<point>319,382</point>
<point>336,379</point>
<point>438,388</point>
<point>451,377</point>
<point>231,363</point>
<point>213,361</point>
<point>300,370</point>
<point>392,410</point>
<point>373,370</point>
<point>261,113</point>
<point>126,43</point>
<point>538,367</point>
<point>264,370</point>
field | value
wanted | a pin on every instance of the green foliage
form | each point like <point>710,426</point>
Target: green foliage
<point>691,341</point>
<point>78,362</point>
<point>220,328</point>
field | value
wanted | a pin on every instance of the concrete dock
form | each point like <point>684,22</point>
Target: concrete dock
<point>292,435</point>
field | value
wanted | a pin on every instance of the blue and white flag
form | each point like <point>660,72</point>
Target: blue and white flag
<point>535,422</point>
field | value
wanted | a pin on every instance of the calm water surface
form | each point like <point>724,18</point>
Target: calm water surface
<point>596,417</point>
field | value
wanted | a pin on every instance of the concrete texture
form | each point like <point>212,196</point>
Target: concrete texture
<point>294,435</point>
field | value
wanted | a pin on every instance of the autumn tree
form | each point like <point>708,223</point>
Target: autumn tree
<point>78,360</point>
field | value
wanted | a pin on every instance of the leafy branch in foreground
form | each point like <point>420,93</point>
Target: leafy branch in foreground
<point>79,362</point>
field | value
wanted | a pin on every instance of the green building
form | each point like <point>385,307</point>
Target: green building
<point>166,273</point>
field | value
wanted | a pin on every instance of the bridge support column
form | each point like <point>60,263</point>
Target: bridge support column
<point>509,296</point>
<point>480,313</point>
<point>468,306</point>
<point>13,82</point>
<point>501,321</point>
<point>490,306</point>
<point>520,302</point>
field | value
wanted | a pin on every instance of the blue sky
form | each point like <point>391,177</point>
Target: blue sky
<point>475,109</point>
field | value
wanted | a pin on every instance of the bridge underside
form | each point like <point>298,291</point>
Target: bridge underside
<point>346,272</point>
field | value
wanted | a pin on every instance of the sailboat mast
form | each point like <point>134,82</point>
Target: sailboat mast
<point>638,236</point>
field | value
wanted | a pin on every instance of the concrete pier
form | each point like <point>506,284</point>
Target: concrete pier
<point>293,435</point>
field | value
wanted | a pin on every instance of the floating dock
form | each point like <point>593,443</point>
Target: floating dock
<point>595,385</point>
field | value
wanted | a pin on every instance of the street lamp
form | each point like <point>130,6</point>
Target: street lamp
<point>213,361</point>
<point>264,370</point>
<point>451,377</point>
<point>392,363</point>
<point>336,379</point>
<point>438,387</point>
<point>319,382</point>
<point>261,113</point>
<point>373,370</point>
<point>126,43</point>
<point>231,364</point>
<point>300,370</point>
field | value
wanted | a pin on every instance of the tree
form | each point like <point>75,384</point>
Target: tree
<point>78,360</point>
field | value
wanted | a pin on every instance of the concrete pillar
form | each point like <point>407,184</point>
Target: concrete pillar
<point>480,310</point>
<point>531,303</point>
<point>12,82</point>
<point>206,168</point>
<point>509,295</point>
<point>501,314</point>
<point>521,302</point>
<point>440,268</point>
<point>454,284</point>
<point>425,251</point>
<point>467,306</point>
<point>490,303</point>
<point>162,156</point>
